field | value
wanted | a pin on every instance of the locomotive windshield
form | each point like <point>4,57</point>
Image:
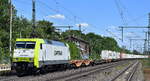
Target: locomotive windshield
<point>25,45</point>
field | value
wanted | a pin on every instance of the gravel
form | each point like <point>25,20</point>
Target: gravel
<point>104,75</point>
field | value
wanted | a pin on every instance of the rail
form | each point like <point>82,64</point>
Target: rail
<point>133,67</point>
<point>129,78</point>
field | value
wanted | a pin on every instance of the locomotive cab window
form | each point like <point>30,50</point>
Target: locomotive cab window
<point>40,46</point>
<point>20,44</point>
<point>25,45</point>
<point>30,45</point>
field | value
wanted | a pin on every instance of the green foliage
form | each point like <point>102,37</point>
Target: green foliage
<point>97,43</point>
<point>74,51</point>
<point>46,30</point>
<point>73,33</point>
<point>145,63</point>
<point>95,56</point>
<point>4,29</point>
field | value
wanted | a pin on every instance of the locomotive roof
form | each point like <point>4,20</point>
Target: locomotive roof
<point>52,42</point>
<point>58,43</point>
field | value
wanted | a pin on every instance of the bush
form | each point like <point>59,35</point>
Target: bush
<point>74,51</point>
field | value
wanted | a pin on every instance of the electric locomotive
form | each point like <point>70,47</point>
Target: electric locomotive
<point>32,55</point>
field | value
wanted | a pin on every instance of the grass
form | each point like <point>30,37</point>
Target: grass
<point>145,63</point>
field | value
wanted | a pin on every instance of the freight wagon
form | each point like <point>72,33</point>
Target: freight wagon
<point>111,56</point>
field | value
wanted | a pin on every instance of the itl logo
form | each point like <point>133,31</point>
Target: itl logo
<point>57,52</point>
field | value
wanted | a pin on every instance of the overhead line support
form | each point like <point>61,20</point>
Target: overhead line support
<point>10,32</point>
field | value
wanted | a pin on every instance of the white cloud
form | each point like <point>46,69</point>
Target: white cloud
<point>56,16</point>
<point>83,24</point>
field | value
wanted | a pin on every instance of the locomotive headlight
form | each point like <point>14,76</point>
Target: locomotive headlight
<point>31,59</point>
<point>16,59</point>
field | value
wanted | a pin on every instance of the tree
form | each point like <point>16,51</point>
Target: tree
<point>46,30</point>
<point>76,33</point>
<point>4,27</point>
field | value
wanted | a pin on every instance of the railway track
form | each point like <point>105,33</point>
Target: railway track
<point>128,72</point>
<point>68,75</point>
<point>77,75</point>
<point>129,78</point>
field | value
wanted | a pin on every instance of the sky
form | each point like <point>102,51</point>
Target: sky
<point>99,16</point>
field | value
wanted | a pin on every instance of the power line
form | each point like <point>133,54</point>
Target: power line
<point>120,10</point>
<point>72,19</point>
<point>69,19</point>
<point>148,27</point>
<point>75,17</point>
<point>47,7</point>
<point>113,34</point>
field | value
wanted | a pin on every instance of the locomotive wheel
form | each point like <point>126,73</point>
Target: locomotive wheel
<point>43,70</point>
<point>20,73</point>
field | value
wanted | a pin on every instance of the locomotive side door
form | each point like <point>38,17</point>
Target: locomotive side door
<point>42,56</point>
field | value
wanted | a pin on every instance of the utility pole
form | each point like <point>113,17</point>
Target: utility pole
<point>80,27</point>
<point>33,13</point>
<point>135,40</point>
<point>130,43</point>
<point>10,32</point>
<point>149,34</point>
<point>122,33</point>
<point>33,35</point>
<point>145,42</point>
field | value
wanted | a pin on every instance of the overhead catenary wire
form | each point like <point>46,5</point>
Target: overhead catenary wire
<point>121,13</point>
<point>73,19</point>
<point>47,7</point>
<point>57,11</point>
<point>122,9</point>
<point>76,18</point>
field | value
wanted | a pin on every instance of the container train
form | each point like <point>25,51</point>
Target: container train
<point>34,55</point>
<point>112,55</point>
